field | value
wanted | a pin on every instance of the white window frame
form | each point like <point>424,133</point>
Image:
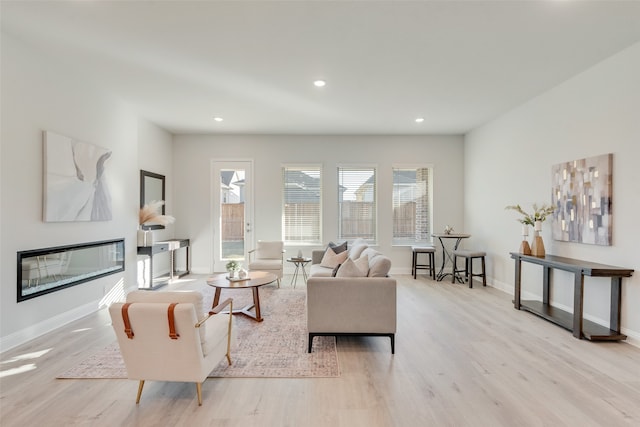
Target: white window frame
<point>426,237</point>
<point>376,174</point>
<point>302,167</point>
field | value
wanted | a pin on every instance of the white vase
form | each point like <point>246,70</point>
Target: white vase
<point>145,237</point>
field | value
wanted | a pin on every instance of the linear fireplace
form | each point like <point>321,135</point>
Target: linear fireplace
<point>41,271</point>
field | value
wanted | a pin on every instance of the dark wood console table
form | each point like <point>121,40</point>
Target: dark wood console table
<point>573,321</point>
<point>170,246</point>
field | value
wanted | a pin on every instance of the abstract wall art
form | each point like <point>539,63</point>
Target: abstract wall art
<point>582,195</point>
<point>75,181</point>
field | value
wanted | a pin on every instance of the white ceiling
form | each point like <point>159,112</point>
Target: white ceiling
<point>457,64</point>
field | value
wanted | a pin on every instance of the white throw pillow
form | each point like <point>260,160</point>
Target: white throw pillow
<point>331,259</point>
<point>351,268</point>
<point>363,264</point>
<point>356,250</point>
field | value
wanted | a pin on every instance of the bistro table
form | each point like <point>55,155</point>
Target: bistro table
<point>446,254</point>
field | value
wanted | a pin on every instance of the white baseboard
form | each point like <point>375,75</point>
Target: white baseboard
<point>20,337</point>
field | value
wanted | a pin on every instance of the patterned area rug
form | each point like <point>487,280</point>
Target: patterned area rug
<point>274,348</point>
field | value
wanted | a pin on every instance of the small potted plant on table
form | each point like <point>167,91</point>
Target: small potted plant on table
<point>232,268</point>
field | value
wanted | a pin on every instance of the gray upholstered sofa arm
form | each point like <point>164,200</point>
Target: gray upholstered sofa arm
<point>351,306</point>
<point>316,256</point>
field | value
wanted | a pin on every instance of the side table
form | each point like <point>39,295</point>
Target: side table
<point>299,262</point>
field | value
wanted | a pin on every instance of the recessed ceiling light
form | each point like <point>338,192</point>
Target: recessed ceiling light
<point>319,83</point>
<point>218,119</point>
<point>419,120</point>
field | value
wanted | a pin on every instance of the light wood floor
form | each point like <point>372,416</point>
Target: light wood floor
<point>464,357</point>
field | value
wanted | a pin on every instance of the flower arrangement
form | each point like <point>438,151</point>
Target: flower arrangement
<point>151,213</point>
<point>233,265</point>
<point>539,213</point>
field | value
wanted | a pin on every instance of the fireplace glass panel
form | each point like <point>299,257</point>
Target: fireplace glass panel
<point>42,271</point>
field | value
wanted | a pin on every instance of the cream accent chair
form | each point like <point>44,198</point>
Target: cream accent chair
<point>205,338</point>
<point>268,256</point>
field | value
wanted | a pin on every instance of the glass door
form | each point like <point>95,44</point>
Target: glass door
<point>232,212</point>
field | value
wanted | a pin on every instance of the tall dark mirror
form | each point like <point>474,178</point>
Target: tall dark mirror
<point>152,190</point>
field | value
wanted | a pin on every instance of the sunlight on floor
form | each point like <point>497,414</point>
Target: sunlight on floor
<point>18,370</point>
<point>24,368</point>
<point>28,356</point>
<point>115,294</point>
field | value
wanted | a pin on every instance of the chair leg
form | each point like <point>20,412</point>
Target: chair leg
<point>229,332</point>
<point>199,391</point>
<point>468,274</point>
<point>454,269</point>
<point>140,385</point>
<point>432,264</point>
<point>413,264</point>
<point>484,274</point>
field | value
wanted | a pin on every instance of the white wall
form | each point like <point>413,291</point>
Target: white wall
<point>192,168</point>
<point>509,161</point>
<point>155,154</point>
<point>39,94</point>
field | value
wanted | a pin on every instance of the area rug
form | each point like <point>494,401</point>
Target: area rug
<point>274,348</point>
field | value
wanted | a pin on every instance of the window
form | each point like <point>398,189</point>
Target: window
<point>302,207</point>
<point>411,205</point>
<point>357,203</point>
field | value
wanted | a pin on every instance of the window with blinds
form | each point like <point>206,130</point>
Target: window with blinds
<point>411,205</point>
<point>302,204</point>
<point>357,203</point>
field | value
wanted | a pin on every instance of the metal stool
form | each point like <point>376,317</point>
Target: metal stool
<point>429,250</point>
<point>469,256</point>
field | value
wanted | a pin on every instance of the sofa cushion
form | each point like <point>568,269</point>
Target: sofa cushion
<point>338,248</point>
<point>316,270</point>
<point>332,259</point>
<point>357,247</point>
<point>371,253</point>
<point>266,264</point>
<point>379,266</point>
<point>350,268</point>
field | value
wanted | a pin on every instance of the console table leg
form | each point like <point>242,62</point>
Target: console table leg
<point>516,299</point>
<point>546,279</point>
<point>616,300</point>
<point>577,305</point>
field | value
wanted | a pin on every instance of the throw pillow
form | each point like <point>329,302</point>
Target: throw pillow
<point>379,266</point>
<point>332,259</point>
<point>335,270</point>
<point>363,264</point>
<point>338,248</point>
<point>350,269</point>
<point>356,249</point>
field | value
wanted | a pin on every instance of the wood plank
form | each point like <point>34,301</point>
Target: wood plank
<point>464,357</point>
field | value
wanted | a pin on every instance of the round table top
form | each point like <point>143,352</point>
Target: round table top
<point>451,235</point>
<point>254,279</point>
<point>297,259</point>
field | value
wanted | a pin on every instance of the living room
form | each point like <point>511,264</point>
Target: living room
<point>587,111</point>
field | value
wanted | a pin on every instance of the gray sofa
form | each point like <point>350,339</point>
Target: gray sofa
<point>351,305</point>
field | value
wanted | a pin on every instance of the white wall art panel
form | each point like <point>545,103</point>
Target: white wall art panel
<point>75,180</point>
